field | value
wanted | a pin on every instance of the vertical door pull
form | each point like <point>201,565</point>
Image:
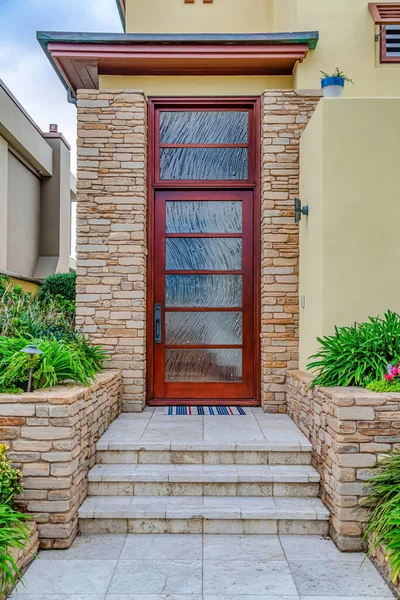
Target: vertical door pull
<point>157,324</point>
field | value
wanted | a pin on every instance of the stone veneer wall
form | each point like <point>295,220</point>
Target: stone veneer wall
<point>51,436</point>
<point>111,232</point>
<point>349,429</point>
<point>24,556</point>
<point>285,115</point>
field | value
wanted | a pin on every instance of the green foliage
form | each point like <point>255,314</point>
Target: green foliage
<point>60,284</point>
<point>337,73</point>
<point>62,360</point>
<point>357,355</point>
<point>383,506</point>
<point>14,533</point>
<point>24,314</point>
<point>383,386</point>
<point>10,479</point>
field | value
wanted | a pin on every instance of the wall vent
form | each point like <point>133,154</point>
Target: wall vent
<point>385,13</point>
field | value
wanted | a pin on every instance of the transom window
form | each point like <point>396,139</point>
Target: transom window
<point>390,44</point>
<point>203,145</point>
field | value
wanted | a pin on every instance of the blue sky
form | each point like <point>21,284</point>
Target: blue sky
<point>24,67</point>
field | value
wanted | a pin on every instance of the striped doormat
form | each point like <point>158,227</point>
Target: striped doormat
<point>204,410</point>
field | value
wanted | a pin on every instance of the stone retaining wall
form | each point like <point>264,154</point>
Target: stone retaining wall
<point>383,566</point>
<point>51,436</point>
<point>349,429</point>
<point>24,556</point>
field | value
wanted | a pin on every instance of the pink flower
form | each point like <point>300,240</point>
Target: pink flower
<point>395,371</point>
<point>389,377</point>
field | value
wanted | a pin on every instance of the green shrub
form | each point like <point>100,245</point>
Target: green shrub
<point>357,355</point>
<point>383,386</point>
<point>14,533</point>
<point>61,361</point>
<point>10,479</point>
<point>59,284</point>
<point>383,506</point>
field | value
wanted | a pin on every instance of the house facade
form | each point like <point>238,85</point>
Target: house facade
<point>36,191</point>
<point>197,130</point>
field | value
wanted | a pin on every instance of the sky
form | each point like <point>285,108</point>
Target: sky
<point>24,67</point>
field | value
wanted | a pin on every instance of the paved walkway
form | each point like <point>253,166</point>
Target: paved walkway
<point>195,567</point>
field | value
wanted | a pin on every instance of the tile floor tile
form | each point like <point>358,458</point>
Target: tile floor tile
<point>337,578</point>
<point>54,577</point>
<point>347,598</point>
<point>18,596</point>
<point>314,547</point>
<point>242,547</point>
<point>239,577</point>
<point>154,597</point>
<point>157,577</point>
<point>89,547</point>
<point>163,547</point>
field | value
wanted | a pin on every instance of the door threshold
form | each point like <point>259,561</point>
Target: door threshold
<point>202,402</point>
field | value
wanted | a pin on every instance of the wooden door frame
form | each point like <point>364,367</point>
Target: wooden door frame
<point>252,104</point>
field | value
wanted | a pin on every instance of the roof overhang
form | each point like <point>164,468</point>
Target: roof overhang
<point>385,13</point>
<point>80,58</point>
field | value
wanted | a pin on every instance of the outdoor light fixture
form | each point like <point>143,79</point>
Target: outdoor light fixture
<point>299,210</point>
<point>31,350</point>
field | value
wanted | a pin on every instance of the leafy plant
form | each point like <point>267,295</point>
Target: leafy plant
<point>381,386</point>
<point>359,354</point>
<point>14,534</point>
<point>62,360</point>
<point>383,505</point>
<point>337,73</point>
<point>61,286</point>
<point>10,479</point>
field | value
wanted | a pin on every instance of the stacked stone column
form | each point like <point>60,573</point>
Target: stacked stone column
<point>285,115</point>
<point>111,232</point>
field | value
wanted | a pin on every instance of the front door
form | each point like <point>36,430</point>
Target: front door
<point>203,302</point>
<point>203,329</point>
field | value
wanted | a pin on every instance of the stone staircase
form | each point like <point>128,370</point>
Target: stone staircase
<point>255,487</point>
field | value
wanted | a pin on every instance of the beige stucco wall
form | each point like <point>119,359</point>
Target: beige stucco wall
<point>196,86</point>
<point>223,16</point>
<point>3,201</point>
<point>347,38</point>
<point>23,218</point>
<point>349,243</point>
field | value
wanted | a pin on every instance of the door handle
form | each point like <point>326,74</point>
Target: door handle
<point>157,324</point>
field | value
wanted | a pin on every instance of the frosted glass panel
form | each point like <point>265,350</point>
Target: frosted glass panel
<point>203,254</point>
<point>207,366</point>
<point>205,127</point>
<point>204,217</point>
<point>204,164</point>
<point>208,328</point>
<point>209,291</point>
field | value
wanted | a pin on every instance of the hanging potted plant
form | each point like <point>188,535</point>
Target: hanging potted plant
<point>333,85</point>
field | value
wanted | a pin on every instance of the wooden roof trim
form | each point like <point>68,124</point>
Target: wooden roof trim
<point>385,13</point>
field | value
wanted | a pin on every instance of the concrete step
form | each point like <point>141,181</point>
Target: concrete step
<point>203,480</point>
<point>194,514</point>
<point>221,454</point>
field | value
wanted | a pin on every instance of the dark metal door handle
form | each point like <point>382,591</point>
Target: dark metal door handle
<point>157,324</point>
